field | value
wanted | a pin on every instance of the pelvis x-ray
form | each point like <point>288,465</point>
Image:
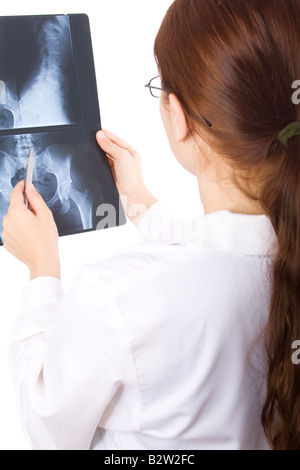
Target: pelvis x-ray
<point>37,73</point>
<point>60,175</point>
<point>49,103</point>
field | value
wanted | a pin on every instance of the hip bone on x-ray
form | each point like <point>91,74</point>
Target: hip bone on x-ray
<point>58,175</point>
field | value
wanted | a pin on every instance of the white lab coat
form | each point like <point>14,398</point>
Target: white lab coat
<point>155,348</point>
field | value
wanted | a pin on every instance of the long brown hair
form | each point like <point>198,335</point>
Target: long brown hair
<point>232,64</point>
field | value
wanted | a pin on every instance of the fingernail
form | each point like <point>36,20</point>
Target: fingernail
<point>101,135</point>
<point>30,187</point>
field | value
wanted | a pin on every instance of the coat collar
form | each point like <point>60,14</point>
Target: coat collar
<point>237,233</point>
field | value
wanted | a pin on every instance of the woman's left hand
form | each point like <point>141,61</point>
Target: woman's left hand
<point>31,235</point>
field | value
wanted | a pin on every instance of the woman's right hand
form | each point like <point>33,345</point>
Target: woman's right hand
<point>125,163</point>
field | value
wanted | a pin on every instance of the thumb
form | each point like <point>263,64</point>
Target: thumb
<point>115,151</point>
<point>37,203</point>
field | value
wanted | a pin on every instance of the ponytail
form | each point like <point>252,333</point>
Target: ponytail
<point>281,413</point>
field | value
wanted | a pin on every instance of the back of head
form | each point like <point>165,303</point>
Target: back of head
<point>233,64</point>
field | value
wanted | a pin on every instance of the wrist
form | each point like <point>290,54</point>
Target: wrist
<point>138,204</point>
<point>46,268</point>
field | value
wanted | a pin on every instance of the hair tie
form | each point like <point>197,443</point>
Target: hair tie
<point>288,132</point>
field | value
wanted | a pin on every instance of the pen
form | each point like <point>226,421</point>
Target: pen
<point>29,173</point>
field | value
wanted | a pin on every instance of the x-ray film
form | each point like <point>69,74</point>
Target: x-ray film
<point>49,102</point>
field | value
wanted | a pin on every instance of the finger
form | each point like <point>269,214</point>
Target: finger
<point>17,194</point>
<point>111,149</point>
<point>114,139</point>
<point>120,142</point>
<point>37,203</point>
<point>110,160</point>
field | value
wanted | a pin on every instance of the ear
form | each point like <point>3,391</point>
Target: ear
<point>180,124</point>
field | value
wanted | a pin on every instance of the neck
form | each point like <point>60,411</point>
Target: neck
<point>220,196</point>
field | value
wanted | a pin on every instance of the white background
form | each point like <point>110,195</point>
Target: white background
<point>123,34</point>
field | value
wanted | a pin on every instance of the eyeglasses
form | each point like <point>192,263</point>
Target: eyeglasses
<point>156,90</point>
<point>155,87</point>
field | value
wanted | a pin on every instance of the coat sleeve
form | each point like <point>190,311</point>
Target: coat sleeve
<point>72,365</point>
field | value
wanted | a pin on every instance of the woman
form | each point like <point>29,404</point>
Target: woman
<point>182,345</point>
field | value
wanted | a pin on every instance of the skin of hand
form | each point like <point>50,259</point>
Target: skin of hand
<point>125,164</point>
<point>31,235</point>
